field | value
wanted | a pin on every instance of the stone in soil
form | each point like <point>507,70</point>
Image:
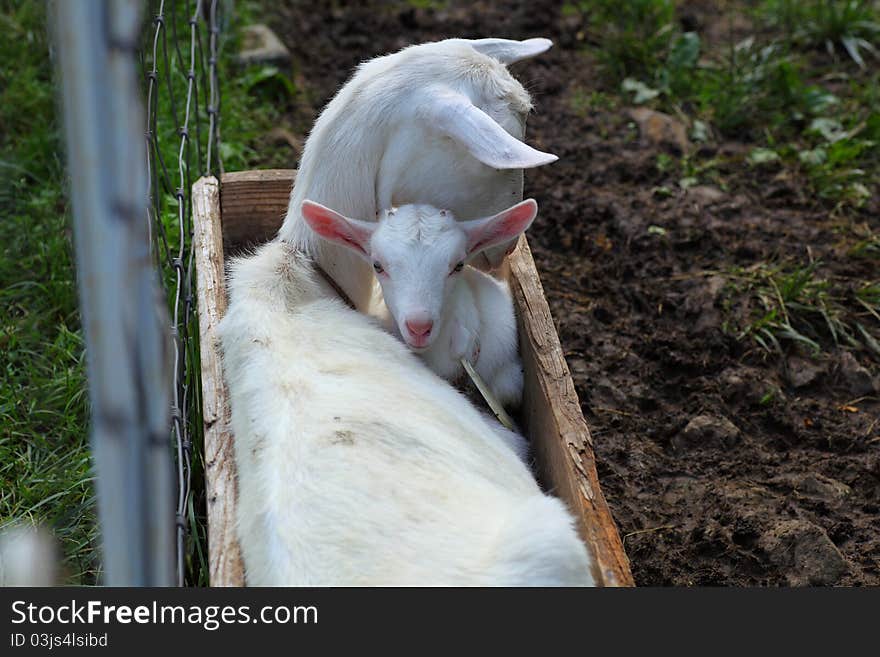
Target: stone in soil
<point>814,485</point>
<point>805,552</point>
<point>705,194</point>
<point>660,129</point>
<point>707,430</point>
<point>261,45</point>
<point>857,378</point>
<point>803,371</point>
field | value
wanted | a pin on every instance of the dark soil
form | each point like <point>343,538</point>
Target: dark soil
<point>711,479</point>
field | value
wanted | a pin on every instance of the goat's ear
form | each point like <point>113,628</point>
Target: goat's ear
<point>454,115</point>
<point>508,51</point>
<point>337,228</point>
<point>503,227</point>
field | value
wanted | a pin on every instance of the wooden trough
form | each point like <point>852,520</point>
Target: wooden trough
<point>247,208</point>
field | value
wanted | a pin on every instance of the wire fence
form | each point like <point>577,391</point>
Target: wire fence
<point>179,61</point>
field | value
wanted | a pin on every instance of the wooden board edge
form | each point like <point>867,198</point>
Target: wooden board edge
<point>224,555</point>
<point>260,199</point>
<point>569,463</point>
<point>232,178</point>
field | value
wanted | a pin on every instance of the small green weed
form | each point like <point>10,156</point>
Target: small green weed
<point>773,305</point>
<point>633,36</point>
<point>850,26</point>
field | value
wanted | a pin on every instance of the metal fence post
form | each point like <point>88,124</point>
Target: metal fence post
<point>123,313</point>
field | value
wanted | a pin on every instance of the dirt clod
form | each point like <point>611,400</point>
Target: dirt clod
<point>708,430</point>
<point>660,129</point>
<point>823,487</point>
<point>803,371</point>
<point>705,194</point>
<point>806,553</point>
<point>858,379</point>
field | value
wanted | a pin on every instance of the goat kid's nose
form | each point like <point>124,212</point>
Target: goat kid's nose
<point>419,327</point>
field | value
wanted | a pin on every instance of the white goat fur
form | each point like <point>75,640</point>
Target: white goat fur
<point>28,556</point>
<point>359,466</point>
<point>437,123</point>
<point>419,251</point>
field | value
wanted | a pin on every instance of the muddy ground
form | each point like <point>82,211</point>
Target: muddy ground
<point>722,464</point>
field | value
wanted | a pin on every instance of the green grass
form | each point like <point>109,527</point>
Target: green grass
<point>838,26</point>
<point>741,91</point>
<point>634,35</point>
<point>45,474</point>
<point>793,303</point>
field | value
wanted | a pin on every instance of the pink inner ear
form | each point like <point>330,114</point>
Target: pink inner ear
<point>504,226</point>
<point>332,227</point>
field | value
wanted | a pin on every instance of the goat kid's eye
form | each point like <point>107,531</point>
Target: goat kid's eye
<point>457,268</point>
<point>378,268</point>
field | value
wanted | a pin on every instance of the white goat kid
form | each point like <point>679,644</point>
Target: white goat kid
<point>357,465</point>
<point>438,123</point>
<point>443,309</point>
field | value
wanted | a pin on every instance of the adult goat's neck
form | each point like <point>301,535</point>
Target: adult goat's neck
<point>348,185</point>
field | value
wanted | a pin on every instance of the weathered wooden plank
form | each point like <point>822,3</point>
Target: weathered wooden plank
<point>224,557</point>
<point>256,202</point>
<point>253,207</point>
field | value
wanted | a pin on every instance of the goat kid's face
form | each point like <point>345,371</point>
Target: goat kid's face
<point>418,253</point>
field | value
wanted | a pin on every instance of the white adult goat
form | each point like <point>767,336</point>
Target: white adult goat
<point>437,123</point>
<point>443,309</point>
<point>359,466</point>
